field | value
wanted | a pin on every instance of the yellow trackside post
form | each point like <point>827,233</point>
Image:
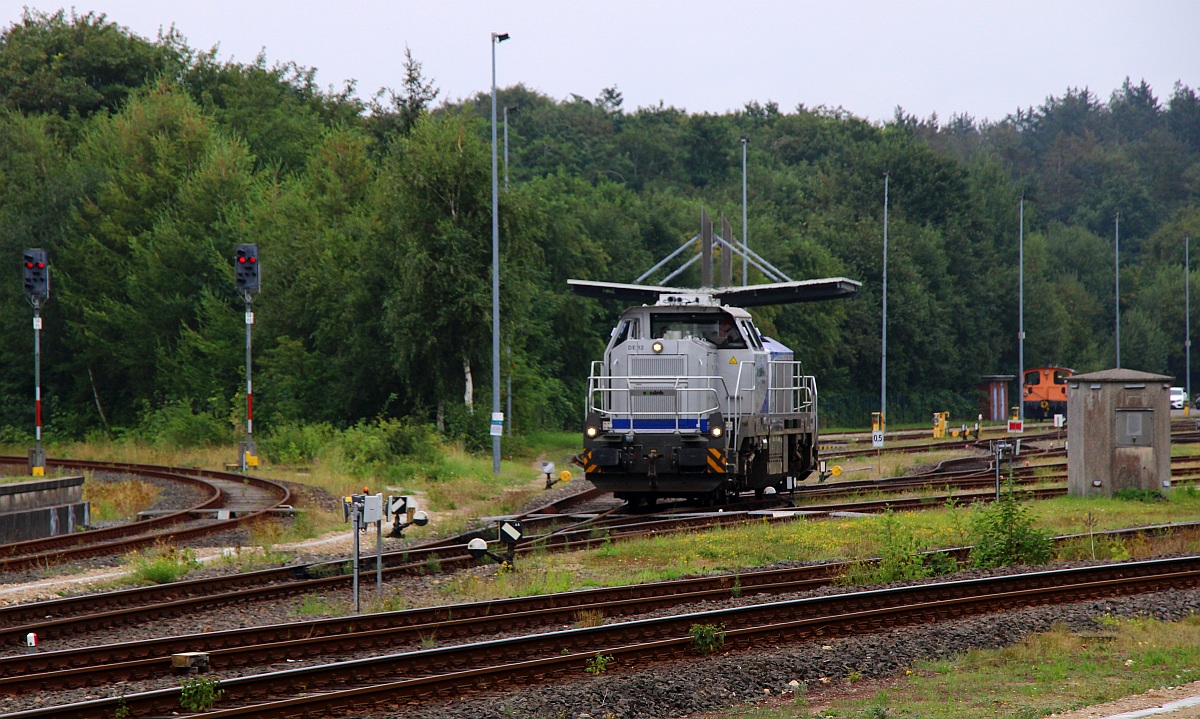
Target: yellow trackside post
<point>939,424</point>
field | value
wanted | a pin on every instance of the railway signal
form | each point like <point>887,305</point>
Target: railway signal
<point>37,274</point>
<point>246,278</point>
<point>510,533</point>
<point>36,270</point>
<point>548,469</point>
<point>405,514</point>
<point>365,509</point>
<point>246,268</point>
<point>1003,449</point>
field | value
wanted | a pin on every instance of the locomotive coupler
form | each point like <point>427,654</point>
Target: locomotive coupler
<point>652,472</point>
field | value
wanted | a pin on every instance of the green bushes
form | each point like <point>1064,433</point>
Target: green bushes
<point>364,447</point>
<point>1004,533</point>
<point>199,694</point>
<point>295,443</point>
<point>177,425</point>
<point>707,638</point>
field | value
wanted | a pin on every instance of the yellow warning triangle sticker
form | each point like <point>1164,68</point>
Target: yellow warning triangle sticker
<point>733,360</point>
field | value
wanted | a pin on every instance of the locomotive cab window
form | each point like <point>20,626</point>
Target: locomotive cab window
<point>628,330</point>
<point>716,328</point>
<point>1033,378</point>
<point>749,331</point>
<point>1060,377</point>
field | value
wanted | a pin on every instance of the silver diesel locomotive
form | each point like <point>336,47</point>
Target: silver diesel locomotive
<point>692,401</point>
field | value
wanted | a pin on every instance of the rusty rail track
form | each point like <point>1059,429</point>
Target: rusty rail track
<point>129,661</point>
<point>396,679</point>
<point>50,618</point>
<point>128,537</point>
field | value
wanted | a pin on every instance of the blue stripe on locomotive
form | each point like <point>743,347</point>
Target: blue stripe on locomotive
<point>661,424</point>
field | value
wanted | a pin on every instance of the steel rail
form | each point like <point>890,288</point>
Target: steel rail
<point>135,660</point>
<point>46,544</point>
<point>53,550</point>
<point>407,676</point>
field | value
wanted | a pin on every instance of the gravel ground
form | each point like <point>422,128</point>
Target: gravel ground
<point>682,689</point>
<point>674,690</point>
<point>174,496</point>
<point>678,689</point>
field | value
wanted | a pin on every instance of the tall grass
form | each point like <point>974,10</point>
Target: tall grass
<point>118,501</point>
<point>161,564</point>
<point>383,455</point>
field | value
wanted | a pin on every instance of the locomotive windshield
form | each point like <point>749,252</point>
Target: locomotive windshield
<point>715,327</point>
<point>628,330</point>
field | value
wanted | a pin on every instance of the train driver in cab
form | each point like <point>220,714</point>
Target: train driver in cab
<point>726,335</point>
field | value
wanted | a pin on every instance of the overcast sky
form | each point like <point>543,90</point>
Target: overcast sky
<point>985,59</point>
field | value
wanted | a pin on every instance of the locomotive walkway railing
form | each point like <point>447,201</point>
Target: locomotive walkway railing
<point>685,403</point>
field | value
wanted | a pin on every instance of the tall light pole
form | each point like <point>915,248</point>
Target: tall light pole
<point>1021,318</point>
<point>497,415</point>
<point>1187,319</point>
<point>508,379</point>
<point>505,147</point>
<point>1117,284</point>
<point>883,356</point>
<point>745,229</point>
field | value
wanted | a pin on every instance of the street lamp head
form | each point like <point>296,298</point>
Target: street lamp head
<point>499,36</point>
<point>745,140</point>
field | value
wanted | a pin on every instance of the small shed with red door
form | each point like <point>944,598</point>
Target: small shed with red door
<point>993,405</point>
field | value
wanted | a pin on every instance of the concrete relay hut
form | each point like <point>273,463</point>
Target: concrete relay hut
<point>1118,433</point>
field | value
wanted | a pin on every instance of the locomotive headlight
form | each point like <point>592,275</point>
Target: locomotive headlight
<point>657,347</point>
<point>717,431</point>
<point>591,432</point>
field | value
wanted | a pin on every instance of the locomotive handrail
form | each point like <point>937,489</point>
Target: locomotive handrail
<point>594,381</point>
<point>801,388</point>
<point>797,395</point>
<point>675,417</point>
<point>737,402</point>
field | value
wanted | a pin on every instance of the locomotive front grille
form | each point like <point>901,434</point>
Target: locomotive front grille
<point>654,403</point>
<point>655,393</point>
<point>671,366</point>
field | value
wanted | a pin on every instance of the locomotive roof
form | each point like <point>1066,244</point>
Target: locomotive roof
<point>684,309</point>
<point>778,293</point>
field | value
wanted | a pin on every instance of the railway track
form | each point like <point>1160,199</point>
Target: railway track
<point>603,526</point>
<point>549,528</point>
<point>244,498</point>
<point>395,679</point>
<point>257,646</point>
<point>232,500</point>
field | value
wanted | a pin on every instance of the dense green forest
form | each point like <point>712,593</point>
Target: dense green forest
<point>139,164</point>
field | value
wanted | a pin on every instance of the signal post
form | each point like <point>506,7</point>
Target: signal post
<point>37,291</point>
<point>246,277</point>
